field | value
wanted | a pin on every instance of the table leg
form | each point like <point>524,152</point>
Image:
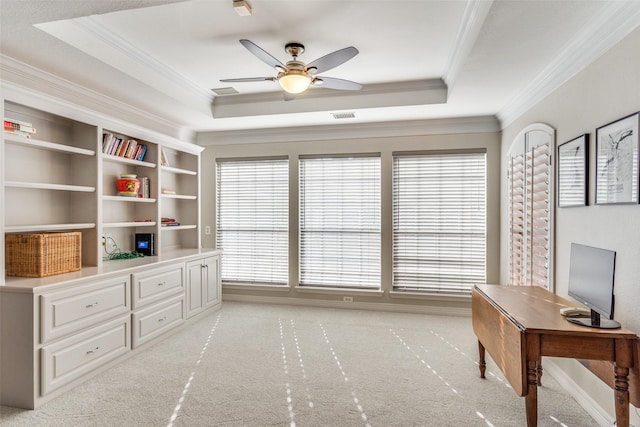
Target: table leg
<point>622,396</point>
<point>533,364</point>
<point>481,363</point>
<point>540,375</point>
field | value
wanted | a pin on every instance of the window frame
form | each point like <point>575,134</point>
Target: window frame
<point>459,288</point>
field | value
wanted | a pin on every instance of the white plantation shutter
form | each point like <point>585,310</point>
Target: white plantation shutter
<point>340,221</point>
<point>252,220</point>
<point>439,221</point>
<point>530,208</point>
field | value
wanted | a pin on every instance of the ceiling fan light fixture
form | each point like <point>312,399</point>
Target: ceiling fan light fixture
<point>294,82</point>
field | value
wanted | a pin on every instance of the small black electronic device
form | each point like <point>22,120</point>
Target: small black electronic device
<point>591,278</point>
<point>145,243</point>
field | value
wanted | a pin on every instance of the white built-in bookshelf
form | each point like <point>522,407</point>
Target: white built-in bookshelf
<point>62,178</point>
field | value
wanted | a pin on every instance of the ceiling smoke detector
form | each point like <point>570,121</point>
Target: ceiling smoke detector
<point>242,7</point>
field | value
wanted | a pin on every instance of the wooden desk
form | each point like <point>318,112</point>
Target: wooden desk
<point>518,325</point>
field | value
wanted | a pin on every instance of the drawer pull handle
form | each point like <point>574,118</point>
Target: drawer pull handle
<point>162,283</point>
<point>93,351</point>
<point>162,319</point>
<point>91,305</point>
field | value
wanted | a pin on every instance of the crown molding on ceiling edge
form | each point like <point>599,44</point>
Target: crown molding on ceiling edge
<point>417,92</point>
<point>475,14</point>
<point>95,107</point>
<point>598,36</point>
<point>477,124</point>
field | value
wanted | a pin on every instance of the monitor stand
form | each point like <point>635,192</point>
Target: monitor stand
<point>595,321</point>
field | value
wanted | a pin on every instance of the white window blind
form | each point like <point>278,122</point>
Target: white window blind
<point>340,222</point>
<point>439,221</point>
<point>530,213</point>
<point>252,220</point>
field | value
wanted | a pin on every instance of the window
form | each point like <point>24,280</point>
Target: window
<point>340,221</point>
<point>530,203</point>
<point>252,220</point>
<point>439,221</point>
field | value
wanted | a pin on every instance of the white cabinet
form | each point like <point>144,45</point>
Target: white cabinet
<point>71,310</point>
<point>158,302</point>
<point>71,358</point>
<point>203,284</point>
<point>56,335</point>
<point>152,322</point>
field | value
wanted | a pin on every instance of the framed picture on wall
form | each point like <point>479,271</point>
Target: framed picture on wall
<point>617,150</point>
<point>573,163</point>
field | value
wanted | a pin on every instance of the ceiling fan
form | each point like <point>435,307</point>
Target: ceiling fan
<point>295,77</point>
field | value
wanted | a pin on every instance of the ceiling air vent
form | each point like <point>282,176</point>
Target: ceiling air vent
<point>221,91</point>
<point>349,115</point>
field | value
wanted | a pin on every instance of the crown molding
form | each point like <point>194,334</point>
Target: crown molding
<point>458,125</point>
<point>114,49</point>
<point>617,21</point>
<point>475,14</point>
<point>418,92</point>
<point>25,81</point>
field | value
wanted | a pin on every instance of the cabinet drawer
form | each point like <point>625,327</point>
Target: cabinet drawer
<point>152,286</point>
<point>154,321</point>
<point>71,358</point>
<point>67,311</point>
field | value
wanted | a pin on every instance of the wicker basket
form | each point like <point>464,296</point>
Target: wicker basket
<point>41,255</point>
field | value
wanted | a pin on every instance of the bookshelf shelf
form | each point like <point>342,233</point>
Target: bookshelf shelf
<point>178,227</point>
<point>129,199</point>
<point>46,145</point>
<point>128,224</point>
<point>124,160</point>
<point>47,186</point>
<point>32,228</point>
<point>178,196</point>
<point>178,171</point>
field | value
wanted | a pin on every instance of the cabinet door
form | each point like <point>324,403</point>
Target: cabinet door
<point>195,290</point>
<point>211,274</point>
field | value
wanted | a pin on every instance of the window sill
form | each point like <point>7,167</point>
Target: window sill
<point>339,291</point>
<point>256,287</point>
<point>430,296</point>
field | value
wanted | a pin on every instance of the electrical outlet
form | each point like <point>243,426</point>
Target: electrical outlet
<point>347,299</point>
<point>207,230</point>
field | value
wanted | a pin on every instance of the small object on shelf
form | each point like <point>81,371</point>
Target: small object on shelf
<point>128,185</point>
<point>169,222</point>
<point>168,191</point>
<point>42,255</point>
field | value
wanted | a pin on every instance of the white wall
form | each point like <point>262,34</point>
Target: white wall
<point>605,91</point>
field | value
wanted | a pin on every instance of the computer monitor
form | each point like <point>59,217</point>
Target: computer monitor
<point>591,277</point>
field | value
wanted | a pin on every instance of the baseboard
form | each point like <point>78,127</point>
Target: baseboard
<point>592,407</point>
<point>357,305</point>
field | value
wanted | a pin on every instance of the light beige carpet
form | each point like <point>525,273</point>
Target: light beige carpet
<point>272,365</point>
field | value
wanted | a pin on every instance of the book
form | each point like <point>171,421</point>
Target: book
<point>18,122</point>
<point>145,187</point>
<point>164,161</point>
<point>9,125</point>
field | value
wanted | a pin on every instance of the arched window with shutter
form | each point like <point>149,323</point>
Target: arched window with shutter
<point>530,178</point>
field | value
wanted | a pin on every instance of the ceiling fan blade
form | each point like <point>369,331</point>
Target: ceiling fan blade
<point>262,54</point>
<point>249,79</point>
<point>333,59</point>
<point>339,84</point>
